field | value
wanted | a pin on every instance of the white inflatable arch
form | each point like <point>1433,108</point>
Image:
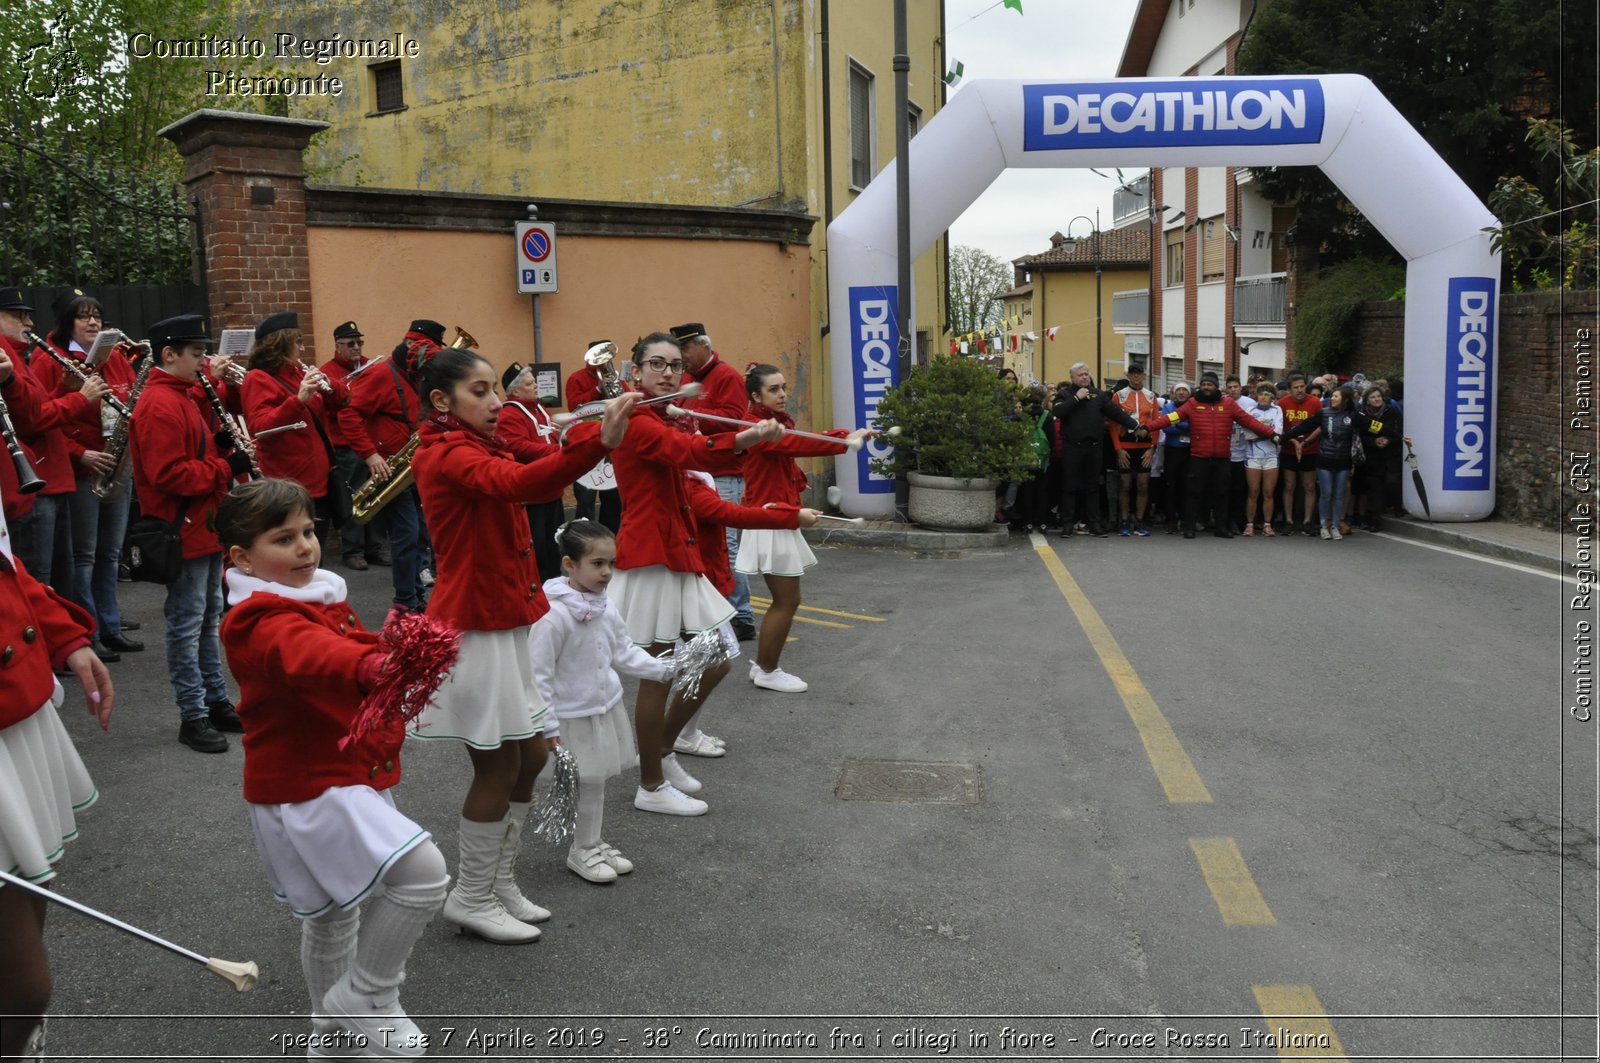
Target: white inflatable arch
<point>1339,122</point>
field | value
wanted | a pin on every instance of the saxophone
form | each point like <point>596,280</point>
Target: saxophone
<point>373,495</point>
<point>111,484</point>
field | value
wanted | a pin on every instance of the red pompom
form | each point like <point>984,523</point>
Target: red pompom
<point>420,651</point>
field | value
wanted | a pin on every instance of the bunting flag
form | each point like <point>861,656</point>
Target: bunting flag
<point>964,348</point>
<point>1050,333</point>
<point>1015,5</point>
<point>1030,336</point>
<point>1013,341</point>
<point>954,346</point>
<point>954,74</point>
<point>980,346</point>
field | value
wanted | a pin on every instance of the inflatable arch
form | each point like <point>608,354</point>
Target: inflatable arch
<point>1339,122</point>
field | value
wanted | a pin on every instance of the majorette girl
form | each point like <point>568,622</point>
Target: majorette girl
<point>780,556</point>
<point>473,489</point>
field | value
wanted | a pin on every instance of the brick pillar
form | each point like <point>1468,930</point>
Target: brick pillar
<point>247,176</point>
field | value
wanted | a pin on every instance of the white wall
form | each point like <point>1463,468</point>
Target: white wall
<point>1186,41</point>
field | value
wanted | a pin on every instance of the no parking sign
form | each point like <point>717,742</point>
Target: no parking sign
<point>536,257</point>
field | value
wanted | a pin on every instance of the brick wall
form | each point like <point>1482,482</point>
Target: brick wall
<point>1534,391</point>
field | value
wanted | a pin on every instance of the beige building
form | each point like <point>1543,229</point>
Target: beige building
<point>1069,289</point>
<point>784,106</point>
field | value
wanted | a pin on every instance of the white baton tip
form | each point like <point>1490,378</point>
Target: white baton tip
<point>893,432</point>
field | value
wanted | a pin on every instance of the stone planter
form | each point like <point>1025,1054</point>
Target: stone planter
<point>949,502</point>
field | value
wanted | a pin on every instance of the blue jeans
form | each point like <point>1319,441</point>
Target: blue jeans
<point>97,530</point>
<point>731,489</point>
<point>194,653</point>
<point>404,518</point>
<point>33,538</point>
<point>1330,494</point>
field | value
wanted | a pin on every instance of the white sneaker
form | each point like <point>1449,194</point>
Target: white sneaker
<point>1324,532</point>
<point>778,680</point>
<point>670,801</point>
<point>590,864</point>
<point>679,778</point>
<point>701,745</point>
<point>389,1033</point>
<point>1333,532</point>
<point>619,863</point>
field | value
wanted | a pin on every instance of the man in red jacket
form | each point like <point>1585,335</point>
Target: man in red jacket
<point>181,476</point>
<point>722,393</point>
<point>1211,416</point>
<point>360,544</point>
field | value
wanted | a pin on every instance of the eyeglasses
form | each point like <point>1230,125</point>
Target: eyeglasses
<point>90,315</point>
<point>354,343</point>
<point>661,365</point>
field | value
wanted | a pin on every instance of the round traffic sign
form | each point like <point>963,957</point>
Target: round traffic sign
<point>536,245</point>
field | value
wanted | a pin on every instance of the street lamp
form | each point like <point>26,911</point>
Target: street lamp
<point>1071,245</point>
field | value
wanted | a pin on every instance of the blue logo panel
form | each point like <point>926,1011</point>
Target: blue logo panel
<point>1192,112</point>
<point>1469,383</point>
<point>875,365</point>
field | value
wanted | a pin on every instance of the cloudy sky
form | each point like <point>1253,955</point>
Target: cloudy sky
<point>1051,39</point>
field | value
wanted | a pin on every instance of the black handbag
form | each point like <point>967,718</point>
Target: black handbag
<point>1358,449</point>
<point>155,549</point>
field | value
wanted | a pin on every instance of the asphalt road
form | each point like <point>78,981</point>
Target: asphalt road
<point>1398,846</point>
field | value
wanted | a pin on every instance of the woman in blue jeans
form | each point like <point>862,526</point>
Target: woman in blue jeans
<point>1340,422</point>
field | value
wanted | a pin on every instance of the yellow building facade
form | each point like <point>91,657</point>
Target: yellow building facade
<point>756,104</point>
<point>1063,296</point>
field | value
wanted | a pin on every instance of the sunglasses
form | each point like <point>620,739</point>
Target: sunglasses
<point>661,365</point>
<point>354,343</point>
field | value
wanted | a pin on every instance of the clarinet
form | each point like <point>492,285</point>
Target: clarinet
<point>28,481</point>
<point>239,442</point>
<point>74,368</point>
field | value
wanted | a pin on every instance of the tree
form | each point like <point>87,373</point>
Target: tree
<point>1465,73</point>
<point>977,278</point>
<point>88,192</point>
<point>1547,230</point>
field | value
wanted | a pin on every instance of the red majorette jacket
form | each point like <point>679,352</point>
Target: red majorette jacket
<point>40,422</point>
<point>473,491</point>
<point>272,400</point>
<point>175,459</point>
<point>336,371</point>
<point>713,516</point>
<point>722,393</point>
<point>38,630</point>
<point>527,430</point>
<point>382,412</point>
<point>770,471</point>
<point>297,664</point>
<point>657,522</point>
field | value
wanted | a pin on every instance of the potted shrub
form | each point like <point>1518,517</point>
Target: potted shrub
<point>960,437</point>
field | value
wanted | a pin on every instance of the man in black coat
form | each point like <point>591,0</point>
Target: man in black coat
<point>1083,411</point>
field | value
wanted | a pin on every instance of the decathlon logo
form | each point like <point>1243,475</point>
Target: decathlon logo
<point>1469,383</point>
<point>874,346</point>
<point>1194,112</point>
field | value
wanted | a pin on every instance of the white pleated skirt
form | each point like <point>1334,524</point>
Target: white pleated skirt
<point>332,850</point>
<point>773,552</point>
<point>488,698</point>
<point>658,604</point>
<point>603,744</point>
<point>43,786</point>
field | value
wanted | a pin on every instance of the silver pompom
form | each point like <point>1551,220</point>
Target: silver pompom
<point>697,657</point>
<point>556,817</point>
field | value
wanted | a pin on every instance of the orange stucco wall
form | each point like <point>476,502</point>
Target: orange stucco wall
<point>754,298</point>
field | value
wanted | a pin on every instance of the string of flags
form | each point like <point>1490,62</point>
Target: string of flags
<point>983,342</point>
<point>953,75</point>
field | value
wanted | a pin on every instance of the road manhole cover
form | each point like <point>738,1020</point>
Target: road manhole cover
<point>909,780</point>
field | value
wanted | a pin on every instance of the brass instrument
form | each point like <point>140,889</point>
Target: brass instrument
<point>233,372</point>
<point>74,368</point>
<point>373,495</point>
<point>240,443</point>
<point>110,483</point>
<point>603,356</point>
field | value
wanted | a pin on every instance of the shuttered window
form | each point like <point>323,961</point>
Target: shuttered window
<point>1213,248</point>
<point>1174,259</point>
<point>861,138</point>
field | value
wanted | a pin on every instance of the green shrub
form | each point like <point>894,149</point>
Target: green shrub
<point>956,418</point>
<point>1324,324</point>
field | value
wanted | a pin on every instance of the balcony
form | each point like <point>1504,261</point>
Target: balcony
<point>1260,300</point>
<point>1131,202</point>
<point>1130,310</point>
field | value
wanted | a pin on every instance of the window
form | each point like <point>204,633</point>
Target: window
<point>1213,245</point>
<point>861,138</point>
<point>388,87</point>
<point>1174,259</point>
<point>913,120</point>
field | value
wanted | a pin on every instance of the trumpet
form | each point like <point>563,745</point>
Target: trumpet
<point>82,375</point>
<point>233,372</point>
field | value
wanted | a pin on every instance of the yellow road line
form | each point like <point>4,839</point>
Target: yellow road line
<point>761,611</point>
<point>1172,765</point>
<point>828,612</point>
<point>1235,892</point>
<point>1296,1021</point>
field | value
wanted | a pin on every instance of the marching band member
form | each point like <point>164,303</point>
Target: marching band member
<point>383,411</point>
<point>280,391</point>
<point>98,524</point>
<point>660,587</point>
<point>359,543</point>
<point>43,783</point>
<point>605,506</point>
<point>473,488</point>
<point>781,557</point>
<point>181,477</point>
<point>525,422</point>
<point>325,825</point>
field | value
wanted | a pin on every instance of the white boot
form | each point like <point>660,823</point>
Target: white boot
<point>472,905</point>
<point>505,876</point>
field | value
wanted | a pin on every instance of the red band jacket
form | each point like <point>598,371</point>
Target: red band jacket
<point>175,459</point>
<point>38,630</point>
